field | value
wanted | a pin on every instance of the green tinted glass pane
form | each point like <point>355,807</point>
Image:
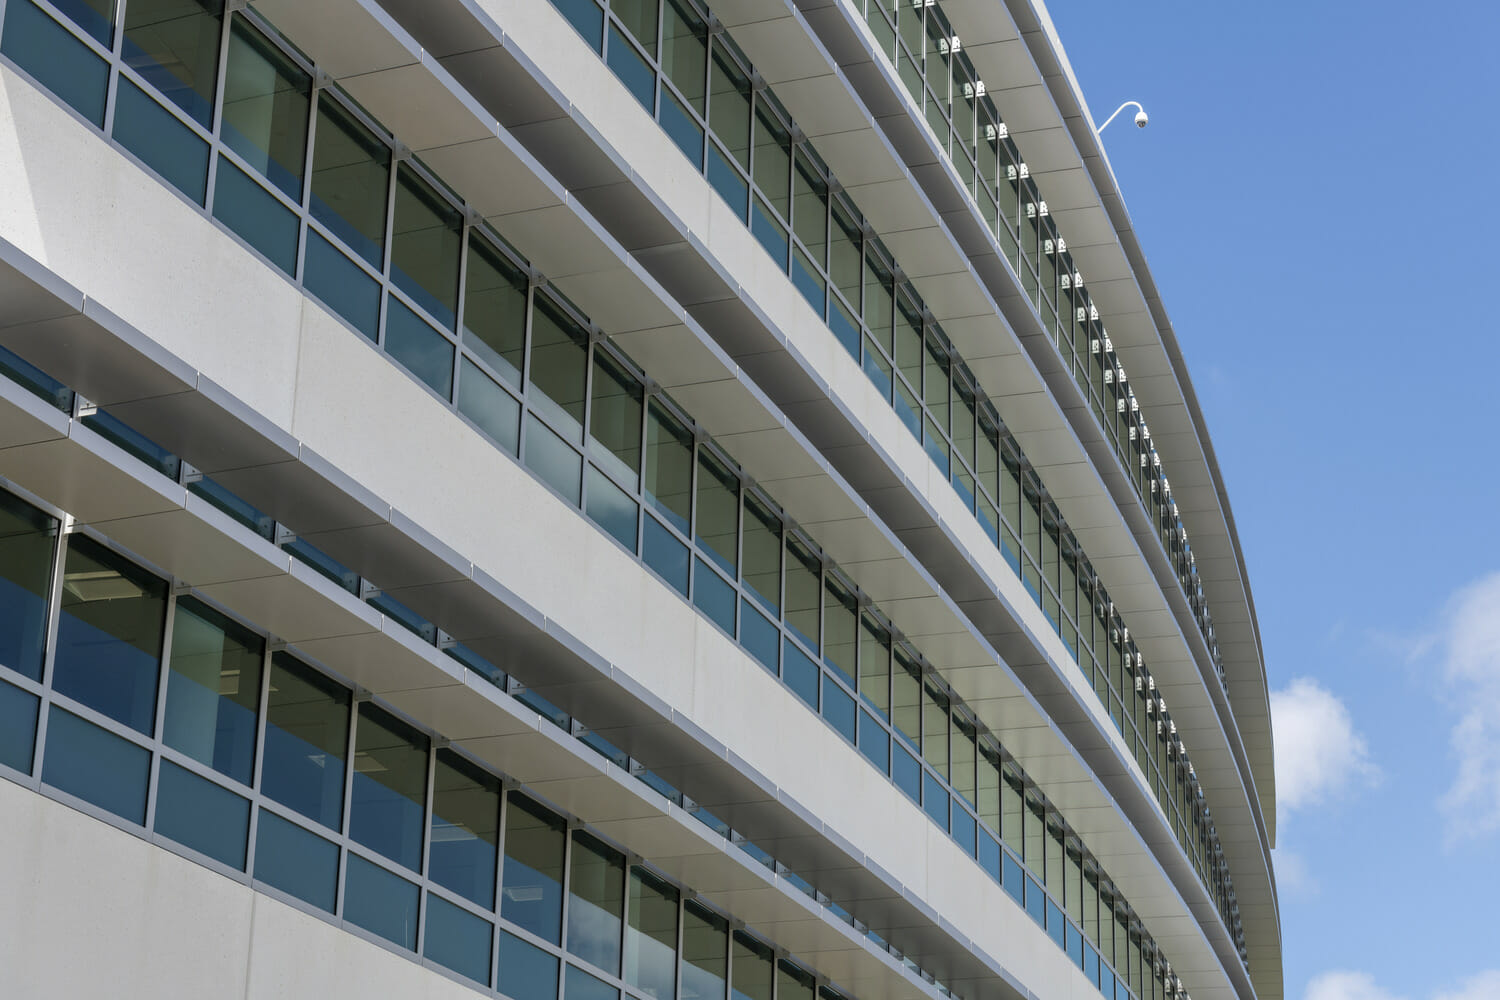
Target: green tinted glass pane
<point>651,937</point>
<point>875,665</point>
<point>810,212</point>
<point>639,18</point>
<point>752,969</point>
<point>615,416</point>
<point>426,240</point>
<point>213,690</point>
<point>717,524</point>
<point>559,357</point>
<point>906,698</point>
<point>424,352</point>
<point>729,107</point>
<point>390,786</point>
<point>844,255</point>
<point>804,597</point>
<point>840,626</point>
<point>762,552</point>
<point>351,174</point>
<point>174,45</point>
<point>26,540</point>
<point>495,309</point>
<point>493,410</point>
<point>669,465</point>
<point>465,828</point>
<point>266,104</point>
<point>705,953</point>
<point>684,55</point>
<point>773,160</point>
<point>531,891</point>
<point>596,896</point>
<point>259,219</point>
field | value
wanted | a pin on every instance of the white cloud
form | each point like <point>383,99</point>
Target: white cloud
<point>1471,669</point>
<point>1318,752</point>
<point>1344,985</point>
<point>1293,875</point>
<point>1485,986</point>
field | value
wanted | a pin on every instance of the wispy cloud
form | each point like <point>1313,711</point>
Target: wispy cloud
<point>1319,753</point>
<point>1471,672</point>
<point>1485,986</point>
<point>1345,984</point>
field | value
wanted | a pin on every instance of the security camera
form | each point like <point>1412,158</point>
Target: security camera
<point>1141,119</point>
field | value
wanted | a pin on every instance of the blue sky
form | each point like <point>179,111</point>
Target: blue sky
<point>1316,197</point>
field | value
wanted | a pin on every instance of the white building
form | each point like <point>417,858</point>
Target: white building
<point>581,499</point>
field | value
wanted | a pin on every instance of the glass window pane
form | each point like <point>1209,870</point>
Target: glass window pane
<point>773,160</point>
<point>465,828</point>
<point>96,766</point>
<point>793,983</point>
<point>810,211</point>
<point>457,939</point>
<point>615,416</point>
<point>390,786</point>
<point>549,456</point>
<point>17,727</point>
<point>495,309</point>
<point>762,552</point>
<point>906,698</point>
<point>266,104</point>
<point>26,539</point>
<point>526,971</point>
<point>874,742</point>
<point>56,59</point>
<point>559,358</point>
<point>840,626</point>
<point>875,665</point>
<point>651,938</point>
<point>844,255</point>
<point>631,67</point>
<point>729,107</point>
<point>684,56</point>
<point>426,244</point>
<point>582,986</point>
<point>752,969</point>
<point>161,141</point>
<point>380,902</point>
<point>257,217</point>
<point>496,412</point>
<point>800,673</point>
<point>705,951</point>
<point>838,707</point>
<point>213,690</point>
<point>419,348</point>
<point>109,634</point>
<point>714,596</point>
<point>174,45</point>
<point>307,736</point>
<point>612,509</point>
<point>295,861</point>
<point>531,896</point>
<point>351,172</point>
<point>665,554</point>
<point>760,636</point>
<point>343,286</point>
<point>717,524</point>
<point>96,17</point>
<point>804,597</point>
<point>596,893</point>
<point>669,466</point>
<point>201,815</point>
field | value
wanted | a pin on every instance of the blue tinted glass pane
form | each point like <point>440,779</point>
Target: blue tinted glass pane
<point>201,815</point>
<point>1055,924</point>
<point>295,861</point>
<point>94,16</point>
<point>389,797</point>
<point>342,285</point>
<point>769,232</point>
<point>586,16</point>
<point>465,829</point>
<point>1075,945</point>
<point>96,766</point>
<point>1106,980</point>
<point>906,771</point>
<point>838,708</point>
<point>109,634</point>
<point>1090,963</point>
<point>380,902</point>
<point>989,855</point>
<point>800,673</point>
<point>963,829</point>
<point>807,281</point>
<point>665,554</point>
<point>531,893</point>
<point>26,540</point>
<point>213,690</point>
<point>682,129</point>
<point>526,971</point>
<point>56,59</point>
<point>632,69</point>
<point>582,986</point>
<point>493,410</point>
<point>874,742</point>
<point>457,939</point>
<point>612,509</point>
<point>259,219</point>
<point>935,799</point>
<point>1036,902</point>
<point>306,738</point>
<point>424,352</point>
<point>875,370</point>
<point>550,458</point>
<point>1122,991</point>
<point>17,727</point>
<point>1015,882</point>
<point>714,596</point>
<point>844,328</point>
<point>161,141</point>
<point>759,635</point>
<point>726,180</point>
<point>937,450</point>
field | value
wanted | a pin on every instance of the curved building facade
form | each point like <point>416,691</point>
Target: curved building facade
<point>604,499</point>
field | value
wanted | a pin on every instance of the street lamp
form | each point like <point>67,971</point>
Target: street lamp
<point>1140,116</point>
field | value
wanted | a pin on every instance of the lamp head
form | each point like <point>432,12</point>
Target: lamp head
<point>1141,119</point>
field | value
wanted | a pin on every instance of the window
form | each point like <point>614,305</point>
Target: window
<point>351,175</point>
<point>495,309</point>
<point>213,690</point>
<point>390,786</point>
<point>669,466</point>
<point>705,951</point>
<point>596,892</point>
<point>762,552</point>
<point>532,882</point>
<point>717,526</point>
<point>26,539</point>
<point>651,938</point>
<point>174,45</point>
<point>465,828</point>
<point>426,246</point>
<point>615,418</point>
<point>307,736</point>
<point>752,968</point>
<point>559,359</point>
<point>267,99</point>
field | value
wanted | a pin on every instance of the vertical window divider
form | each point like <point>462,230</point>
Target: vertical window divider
<point>423,880</point>
<point>342,838</point>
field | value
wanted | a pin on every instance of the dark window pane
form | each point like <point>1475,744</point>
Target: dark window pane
<point>632,69</point>
<point>874,742</point>
<point>793,983</point>
<point>612,509</point>
<point>773,160</point>
<point>259,219</point>
<point>727,180</point>
<point>729,108</point>
<point>458,939</point>
<point>426,244</point>
<point>681,128</point>
<point>295,861</point>
<point>174,45</point>
<point>465,829</point>
<point>804,594</point>
<point>905,771</point>
<point>705,953</point>
<point>342,285</point>
<point>582,986</point>
<point>651,938</point>
<point>109,634</point>
<point>639,18</point>
<point>380,902</point>
<point>96,17</point>
<point>56,59</point>
<point>669,466</point>
<point>526,971</point>
<point>26,539</point>
<point>838,708</point>
<point>584,15</point>
<point>615,417</point>
<point>17,727</point>
<point>493,410</point>
<point>800,673</point>
<point>213,690</point>
<point>714,596</point>
<point>550,458</point>
<point>770,233</point>
<point>760,636</point>
<point>752,969</point>
<point>935,799</point>
<point>761,552</point>
<point>875,665</point>
<point>1014,881</point>
<point>989,855</point>
<point>351,171</point>
<point>495,310</point>
<point>684,56</point>
<point>665,554</point>
<point>717,525</point>
<point>963,830</point>
<point>390,786</point>
<point>596,891</point>
<point>307,735</point>
<point>96,766</point>
<point>161,142</point>
<point>266,103</point>
<point>559,356</point>
<point>840,626</point>
<point>423,351</point>
<point>531,893</point>
<point>199,814</point>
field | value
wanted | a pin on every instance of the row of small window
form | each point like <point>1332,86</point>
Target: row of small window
<point>906,355</point>
<point>419,810</point>
<point>921,44</point>
<point>525,336</point>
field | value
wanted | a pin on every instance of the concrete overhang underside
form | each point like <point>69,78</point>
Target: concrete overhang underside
<point>501,81</point>
<point>65,463</point>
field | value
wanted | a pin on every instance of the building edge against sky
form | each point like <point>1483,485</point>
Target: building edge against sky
<point>580,499</point>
